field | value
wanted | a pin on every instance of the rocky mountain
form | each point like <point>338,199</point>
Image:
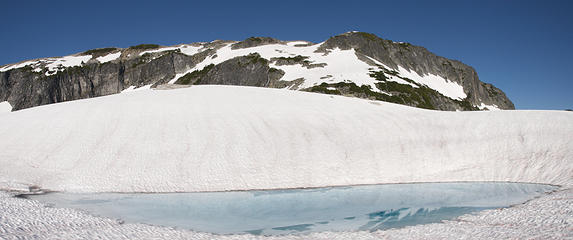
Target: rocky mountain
<point>353,64</point>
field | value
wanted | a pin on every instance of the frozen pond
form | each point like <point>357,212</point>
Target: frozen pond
<point>277,212</point>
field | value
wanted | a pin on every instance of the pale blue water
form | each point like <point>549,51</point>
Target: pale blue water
<point>277,212</point>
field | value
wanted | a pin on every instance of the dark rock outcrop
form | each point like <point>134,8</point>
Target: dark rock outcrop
<point>254,41</point>
<point>141,65</point>
<point>423,62</point>
<point>24,88</point>
<point>250,70</point>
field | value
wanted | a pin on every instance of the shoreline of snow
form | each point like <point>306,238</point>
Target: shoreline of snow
<point>218,138</point>
<point>543,218</point>
<point>24,189</point>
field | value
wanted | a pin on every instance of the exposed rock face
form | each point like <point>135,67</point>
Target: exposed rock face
<point>250,70</point>
<point>35,83</point>
<point>422,61</point>
<point>24,88</point>
<point>254,41</point>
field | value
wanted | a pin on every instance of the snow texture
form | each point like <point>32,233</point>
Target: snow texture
<point>134,89</point>
<point>5,107</point>
<point>68,61</point>
<point>17,65</point>
<point>185,49</point>
<point>52,64</point>
<point>214,138</point>
<point>547,217</point>
<point>108,58</point>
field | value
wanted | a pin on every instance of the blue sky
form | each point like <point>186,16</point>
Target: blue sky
<point>523,47</point>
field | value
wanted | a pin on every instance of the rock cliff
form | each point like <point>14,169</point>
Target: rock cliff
<point>353,64</point>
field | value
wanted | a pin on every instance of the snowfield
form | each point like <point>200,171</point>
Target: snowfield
<point>216,138</point>
<point>5,107</point>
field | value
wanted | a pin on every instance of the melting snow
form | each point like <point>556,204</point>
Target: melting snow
<point>547,217</point>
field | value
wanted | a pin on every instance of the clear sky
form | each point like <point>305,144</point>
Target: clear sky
<point>523,47</point>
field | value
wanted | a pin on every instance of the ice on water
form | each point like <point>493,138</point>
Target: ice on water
<point>279,212</point>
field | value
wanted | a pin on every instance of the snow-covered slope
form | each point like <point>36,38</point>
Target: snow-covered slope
<point>331,67</point>
<point>208,138</point>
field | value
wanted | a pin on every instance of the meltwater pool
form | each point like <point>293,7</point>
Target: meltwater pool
<point>299,211</point>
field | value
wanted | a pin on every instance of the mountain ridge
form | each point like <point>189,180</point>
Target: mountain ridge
<point>354,64</point>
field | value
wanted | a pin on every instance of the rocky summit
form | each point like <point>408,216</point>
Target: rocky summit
<point>354,64</point>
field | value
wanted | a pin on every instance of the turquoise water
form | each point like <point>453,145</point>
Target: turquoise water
<point>277,212</point>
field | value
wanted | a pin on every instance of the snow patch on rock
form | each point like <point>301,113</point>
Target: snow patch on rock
<point>135,89</point>
<point>484,106</point>
<point>18,65</point>
<point>108,58</point>
<point>184,48</point>
<point>57,64</point>
<point>341,65</point>
<point>447,88</point>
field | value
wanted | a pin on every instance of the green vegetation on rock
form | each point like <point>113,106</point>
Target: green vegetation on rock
<point>254,39</point>
<point>144,46</point>
<point>420,96</point>
<point>491,92</point>
<point>323,88</point>
<point>466,105</point>
<point>368,36</point>
<point>142,60</point>
<point>274,70</point>
<point>195,76</point>
<point>255,57</point>
<point>351,89</point>
<point>297,58</point>
<point>99,51</point>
